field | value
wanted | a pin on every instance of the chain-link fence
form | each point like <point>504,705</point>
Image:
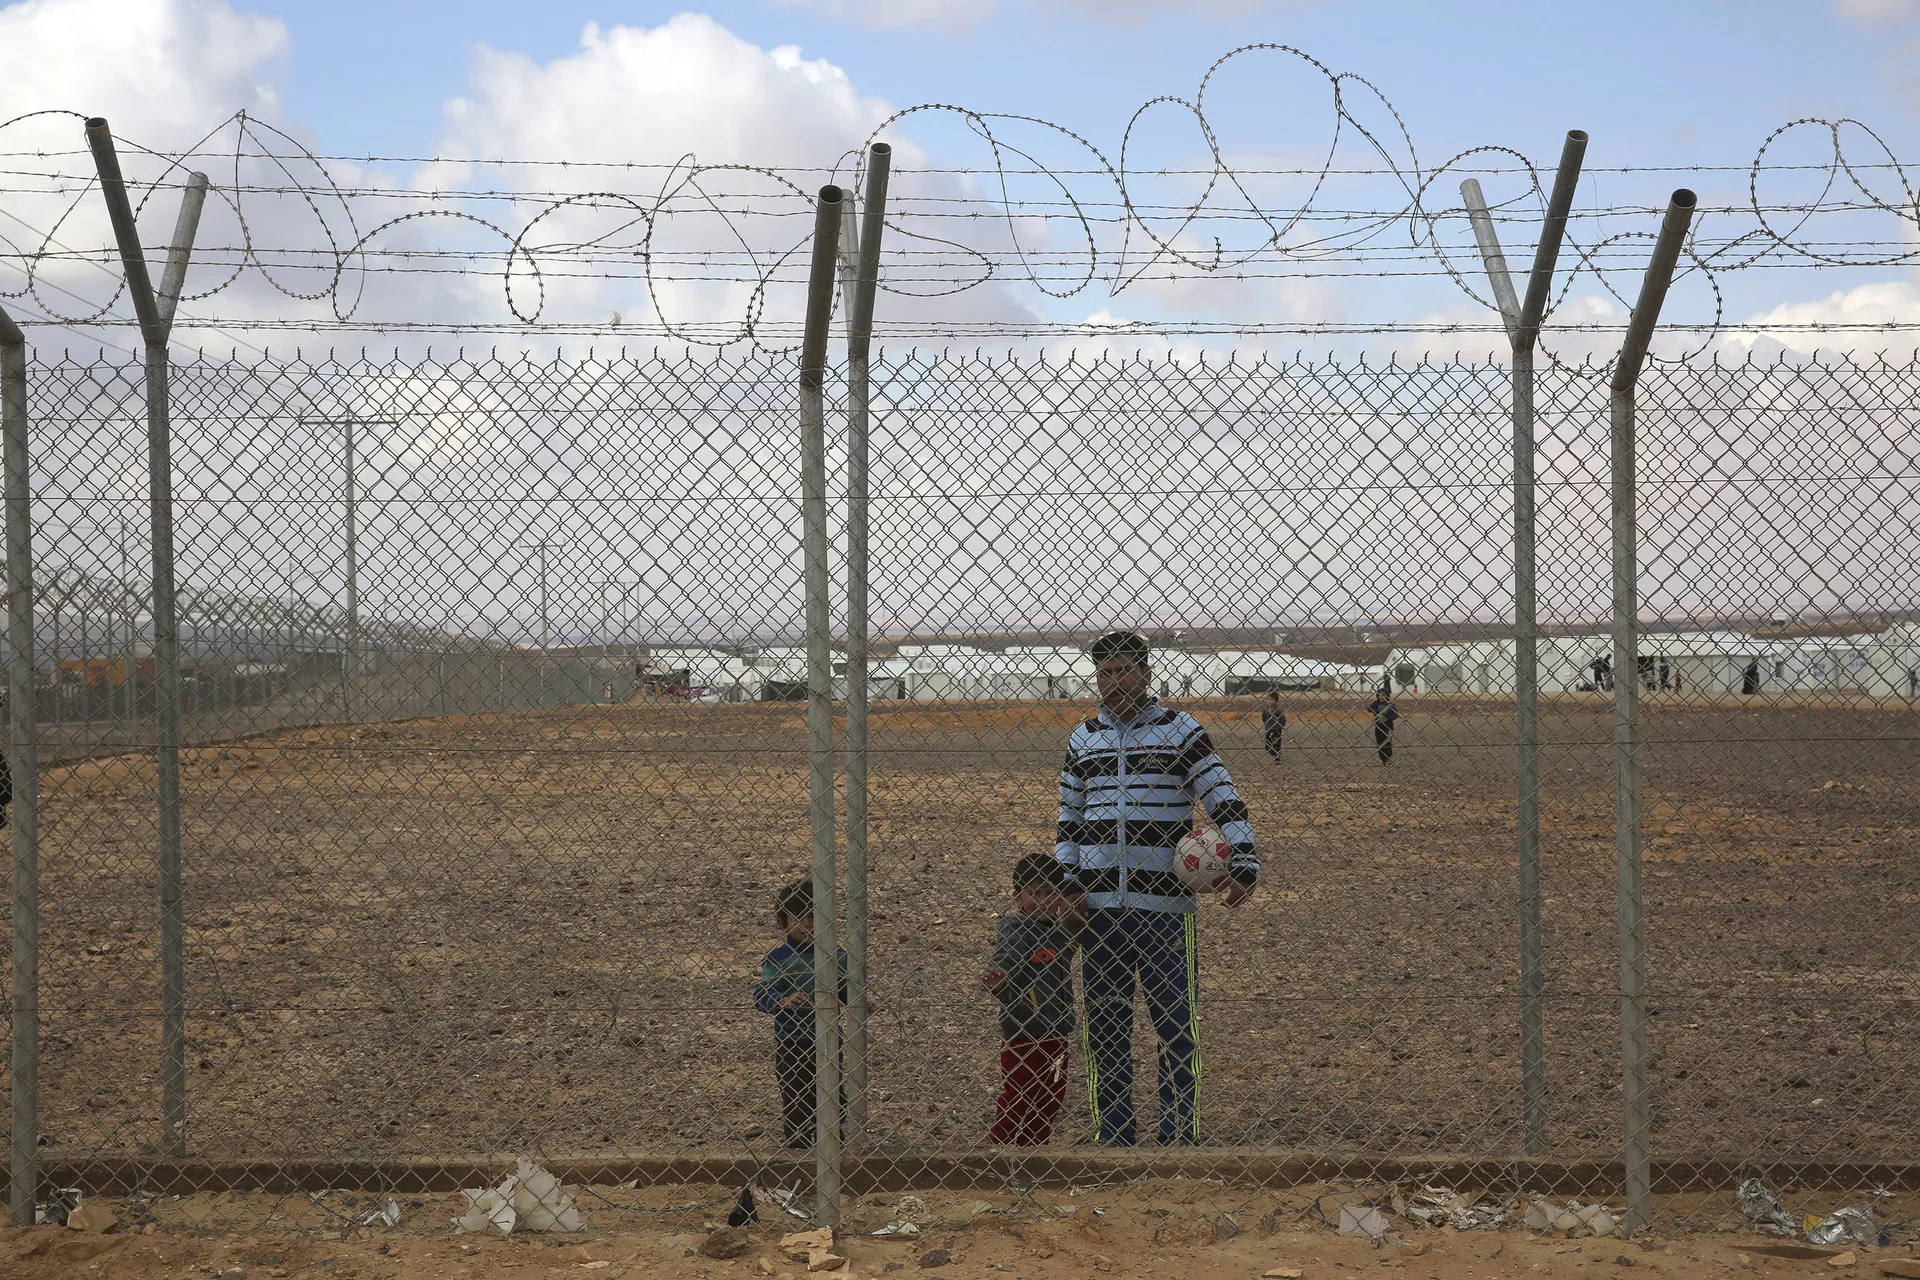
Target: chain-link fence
<point>496,760</point>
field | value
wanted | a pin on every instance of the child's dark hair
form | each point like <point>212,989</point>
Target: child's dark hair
<point>793,902</point>
<point>1038,871</point>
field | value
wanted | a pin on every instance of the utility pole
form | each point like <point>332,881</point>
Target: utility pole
<point>349,660</point>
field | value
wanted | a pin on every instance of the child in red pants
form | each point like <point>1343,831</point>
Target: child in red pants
<point>1031,974</point>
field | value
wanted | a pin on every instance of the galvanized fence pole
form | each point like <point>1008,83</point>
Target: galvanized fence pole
<point>860,275</point>
<point>820,782</point>
<point>1636,1103</point>
<point>155,312</point>
<point>1522,320</point>
<point>24,1133</point>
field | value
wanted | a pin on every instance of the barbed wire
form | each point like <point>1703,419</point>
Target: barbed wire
<point>1091,226</point>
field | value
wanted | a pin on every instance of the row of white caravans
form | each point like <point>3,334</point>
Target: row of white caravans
<point>1885,664</point>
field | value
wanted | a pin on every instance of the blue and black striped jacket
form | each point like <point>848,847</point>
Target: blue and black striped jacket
<point>1126,798</point>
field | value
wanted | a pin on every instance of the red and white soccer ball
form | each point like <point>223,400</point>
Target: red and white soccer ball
<point>1200,860</point>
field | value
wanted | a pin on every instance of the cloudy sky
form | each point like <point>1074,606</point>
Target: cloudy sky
<point>1690,91</point>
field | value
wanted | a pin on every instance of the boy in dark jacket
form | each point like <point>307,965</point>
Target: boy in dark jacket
<point>1273,724</point>
<point>786,990</point>
<point>1031,973</point>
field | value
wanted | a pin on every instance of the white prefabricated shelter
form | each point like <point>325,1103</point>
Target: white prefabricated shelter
<point>1884,665</point>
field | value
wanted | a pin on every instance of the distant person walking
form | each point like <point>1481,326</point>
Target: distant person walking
<point>1750,679</point>
<point>1273,724</point>
<point>1385,715</point>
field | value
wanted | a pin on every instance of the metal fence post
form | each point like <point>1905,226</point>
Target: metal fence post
<point>860,276</point>
<point>349,662</point>
<point>155,312</point>
<point>24,1131</point>
<point>1523,330</point>
<point>813,487</point>
<point>1626,711</point>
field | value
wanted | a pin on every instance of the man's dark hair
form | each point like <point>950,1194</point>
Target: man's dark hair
<point>792,902</point>
<point>1038,871</point>
<point>1116,644</point>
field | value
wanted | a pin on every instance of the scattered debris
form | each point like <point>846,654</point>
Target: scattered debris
<point>934,1258</point>
<point>61,1203</point>
<point>1853,1224</point>
<point>1443,1206</point>
<point>787,1200</point>
<point>387,1215</point>
<point>744,1210</point>
<point>974,1208</point>
<point>529,1198</point>
<point>899,1229</point>
<point>1576,1219</point>
<point>1363,1220</point>
<point>1224,1229</point>
<point>1759,1206</point>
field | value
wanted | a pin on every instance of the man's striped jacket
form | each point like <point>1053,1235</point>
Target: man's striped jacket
<point>1126,798</point>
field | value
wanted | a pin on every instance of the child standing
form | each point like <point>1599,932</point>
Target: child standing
<point>786,990</point>
<point>1031,973</point>
<point>1273,724</point>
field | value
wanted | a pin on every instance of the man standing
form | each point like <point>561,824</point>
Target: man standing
<point>1127,791</point>
<point>1385,715</point>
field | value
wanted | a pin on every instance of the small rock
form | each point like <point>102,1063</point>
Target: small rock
<point>1841,1259</point>
<point>934,1258</point>
<point>1281,1273</point>
<point>233,1273</point>
<point>821,1260</point>
<point>92,1216</point>
<point>728,1242</point>
<point>1224,1229</point>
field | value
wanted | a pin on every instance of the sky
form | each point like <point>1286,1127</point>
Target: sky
<point>1696,88</point>
<point>597,138</point>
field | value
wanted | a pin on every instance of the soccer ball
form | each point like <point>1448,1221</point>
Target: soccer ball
<point>1200,860</point>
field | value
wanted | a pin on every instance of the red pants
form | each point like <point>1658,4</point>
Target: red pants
<point>1033,1084</point>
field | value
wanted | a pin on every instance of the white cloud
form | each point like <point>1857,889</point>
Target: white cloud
<point>959,15</point>
<point>163,73</point>
<point>654,94</point>
<point>684,94</point>
<point>167,70</point>
<point>1884,302</point>
<point>1878,10</point>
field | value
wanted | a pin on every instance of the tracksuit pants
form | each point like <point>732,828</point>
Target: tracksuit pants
<point>1160,948</point>
<point>1033,1084</point>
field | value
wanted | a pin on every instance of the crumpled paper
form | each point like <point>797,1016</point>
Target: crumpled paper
<point>529,1199</point>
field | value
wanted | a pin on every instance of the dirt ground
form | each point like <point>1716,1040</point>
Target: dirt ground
<point>536,932</point>
<point>1088,1235</point>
